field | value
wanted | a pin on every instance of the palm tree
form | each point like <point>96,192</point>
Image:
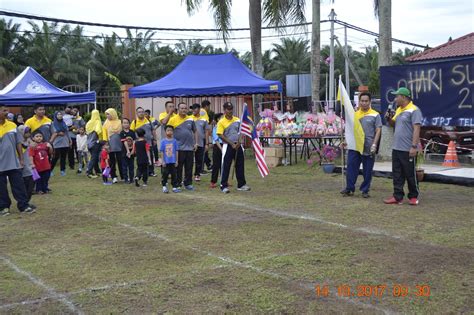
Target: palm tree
<point>291,57</point>
<point>8,50</point>
<point>276,13</point>
<point>383,10</point>
<point>315,50</point>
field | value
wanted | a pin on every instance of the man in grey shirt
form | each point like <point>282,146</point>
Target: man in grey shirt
<point>407,122</point>
<point>372,126</point>
<point>187,138</point>
<point>202,146</point>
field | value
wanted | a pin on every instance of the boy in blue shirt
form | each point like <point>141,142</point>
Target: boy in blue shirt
<point>169,156</point>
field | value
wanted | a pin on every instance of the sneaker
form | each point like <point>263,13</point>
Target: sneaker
<point>165,190</point>
<point>189,187</point>
<point>92,176</point>
<point>392,201</point>
<point>225,190</point>
<point>79,171</point>
<point>107,183</point>
<point>4,212</point>
<point>136,182</point>
<point>144,185</point>
<point>347,193</point>
<point>365,195</point>
<point>32,206</point>
<point>115,180</point>
<point>197,178</point>
<point>29,210</point>
<point>153,175</point>
<point>176,190</point>
<point>244,188</point>
<point>63,173</point>
<point>413,201</point>
<point>213,185</point>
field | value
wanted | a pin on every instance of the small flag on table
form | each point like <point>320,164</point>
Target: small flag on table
<point>247,128</point>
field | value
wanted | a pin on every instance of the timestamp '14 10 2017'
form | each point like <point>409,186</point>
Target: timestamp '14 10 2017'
<point>379,290</point>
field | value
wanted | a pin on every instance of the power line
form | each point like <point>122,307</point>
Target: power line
<point>56,20</point>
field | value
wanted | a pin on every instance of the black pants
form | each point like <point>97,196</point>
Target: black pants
<point>155,152</point>
<point>105,179</point>
<point>151,168</point>
<point>207,161</point>
<point>72,153</point>
<point>229,155</point>
<point>185,159</point>
<point>403,168</point>
<point>116,161</point>
<point>61,155</point>
<point>165,172</point>
<point>42,184</point>
<point>216,163</point>
<point>18,189</point>
<point>29,186</point>
<point>94,161</point>
<point>199,161</point>
<point>142,172</point>
<point>128,164</point>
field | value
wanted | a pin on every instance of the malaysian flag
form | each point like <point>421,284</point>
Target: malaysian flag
<point>247,128</point>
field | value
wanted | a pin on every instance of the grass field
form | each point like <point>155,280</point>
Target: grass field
<point>120,249</point>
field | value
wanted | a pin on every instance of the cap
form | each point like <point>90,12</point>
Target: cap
<point>402,91</point>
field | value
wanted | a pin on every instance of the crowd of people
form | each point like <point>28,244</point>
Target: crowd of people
<point>120,150</point>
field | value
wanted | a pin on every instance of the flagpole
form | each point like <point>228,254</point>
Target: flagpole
<point>342,142</point>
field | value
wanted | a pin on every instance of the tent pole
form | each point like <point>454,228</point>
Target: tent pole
<point>88,87</point>
<point>281,101</point>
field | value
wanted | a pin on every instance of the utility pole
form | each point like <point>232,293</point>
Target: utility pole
<point>332,18</point>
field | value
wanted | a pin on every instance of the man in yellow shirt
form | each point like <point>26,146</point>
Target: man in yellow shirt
<point>228,129</point>
<point>187,138</point>
<point>40,121</point>
<point>165,116</point>
<point>11,163</point>
<point>205,113</point>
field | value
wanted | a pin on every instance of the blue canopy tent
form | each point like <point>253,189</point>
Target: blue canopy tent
<point>207,75</point>
<point>31,88</point>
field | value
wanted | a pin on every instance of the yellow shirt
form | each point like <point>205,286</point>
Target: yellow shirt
<point>204,114</point>
<point>163,116</point>
<point>7,127</point>
<point>176,120</point>
<point>34,123</point>
<point>137,123</point>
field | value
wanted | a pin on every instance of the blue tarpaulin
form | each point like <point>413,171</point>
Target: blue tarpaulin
<point>31,88</point>
<point>201,75</point>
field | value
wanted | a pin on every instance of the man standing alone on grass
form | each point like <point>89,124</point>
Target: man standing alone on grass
<point>372,126</point>
<point>187,138</point>
<point>202,146</point>
<point>407,121</point>
<point>11,163</point>
<point>228,130</point>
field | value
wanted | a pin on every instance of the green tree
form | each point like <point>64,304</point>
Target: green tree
<point>9,51</point>
<point>291,57</point>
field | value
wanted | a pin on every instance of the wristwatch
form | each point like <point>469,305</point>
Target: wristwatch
<point>414,146</point>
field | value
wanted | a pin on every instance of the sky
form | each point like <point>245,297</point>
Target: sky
<point>425,22</point>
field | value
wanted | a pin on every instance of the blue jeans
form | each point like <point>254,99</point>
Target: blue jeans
<point>94,161</point>
<point>127,167</point>
<point>354,159</point>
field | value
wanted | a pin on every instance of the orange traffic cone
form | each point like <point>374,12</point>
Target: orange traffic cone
<point>451,157</point>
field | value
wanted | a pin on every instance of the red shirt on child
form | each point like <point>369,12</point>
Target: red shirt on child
<point>40,154</point>
<point>104,156</point>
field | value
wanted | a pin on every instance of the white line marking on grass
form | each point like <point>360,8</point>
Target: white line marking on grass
<point>234,262</point>
<point>96,289</point>
<point>55,295</point>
